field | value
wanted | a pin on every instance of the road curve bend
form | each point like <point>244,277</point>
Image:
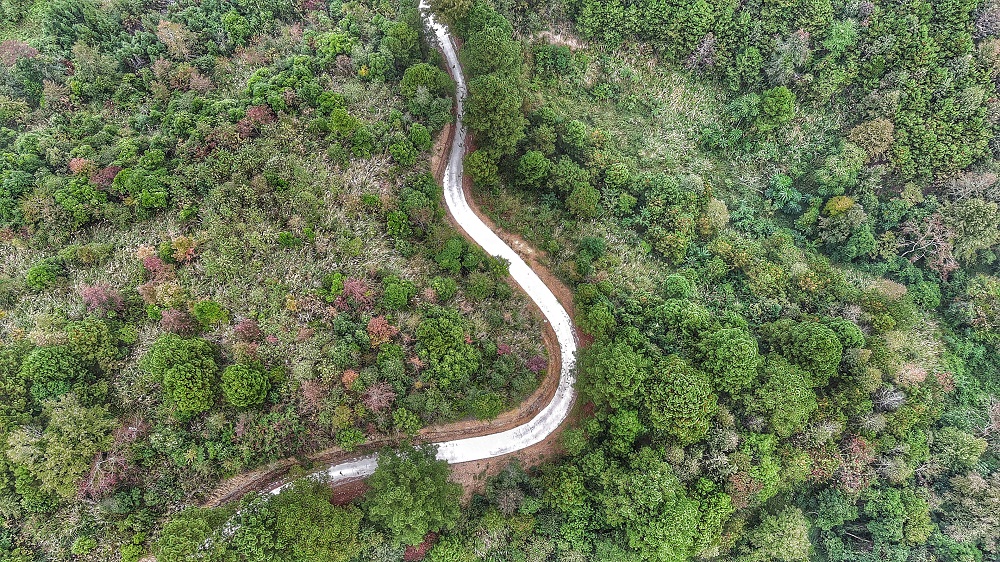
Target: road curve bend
<point>556,411</point>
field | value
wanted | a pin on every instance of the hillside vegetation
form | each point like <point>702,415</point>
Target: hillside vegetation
<point>220,245</point>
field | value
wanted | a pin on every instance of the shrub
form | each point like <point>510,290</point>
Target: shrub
<point>349,439</point>
<point>677,287</point>
<point>480,286</point>
<point>396,293</point>
<point>583,202</point>
<point>101,298</point>
<point>487,406</point>
<point>44,274</point>
<point>53,371</point>
<point>83,545</point>
<point>444,287</point>
<point>450,256</point>
<point>178,322</point>
<point>244,385</point>
<point>406,421</point>
<point>210,313</point>
<point>188,371</point>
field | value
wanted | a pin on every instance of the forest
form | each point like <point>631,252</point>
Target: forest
<point>222,246</point>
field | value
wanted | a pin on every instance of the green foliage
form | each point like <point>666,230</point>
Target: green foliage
<point>44,274</point>
<point>210,314</point>
<point>834,509</point>
<point>185,533</point>
<point>423,75</point>
<point>244,385</point>
<point>584,201</point>
<point>785,399</point>
<point>731,357</point>
<point>188,372</point>
<point>493,112</point>
<point>53,371</point>
<point>410,494</point>
<point>956,450</point>
<point>783,537</point>
<point>532,169</point>
<point>63,452</point>
<point>678,400</point>
<point>615,370</point>
<point>396,293</point>
<point>442,344</point>
<point>777,107</point>
<point>809,345</point>
<point>444,287</point>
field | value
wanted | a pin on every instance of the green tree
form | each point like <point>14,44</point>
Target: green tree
<point>494,114</point>
<point>584,202</point>
<point>532,169</point>
<point>612,371</point>
<point>810,345</point>
<point>410,494</point>
<point>53,371</point>
<point>299,524</point>
<point>731,357</point>
<point>491,49</point>
<point>782,537</point>
<point>833,509</point>
<point>957,450</point>
<point>451,11</point>
<point>648,504</point>
<point>777,107</point>
<point>244,385</point>
<point>678,400</point>
<point>62,453</point>
<point>188,371</point>
<point>185,533</point>
<point>785,399</point>
<point>441,342</point>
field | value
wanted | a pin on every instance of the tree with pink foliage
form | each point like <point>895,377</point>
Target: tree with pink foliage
<point>101,298</point>
<point>248,330</point>
<point>537,364</point>
<point>178,322</point>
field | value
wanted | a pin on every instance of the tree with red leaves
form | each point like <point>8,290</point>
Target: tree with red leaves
<point>256,116</point>
<point>178,322</point>
<point>13,50</point>
<point>380,331</point>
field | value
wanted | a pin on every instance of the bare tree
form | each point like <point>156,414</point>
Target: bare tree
<point>703,56</point>
<point>378,396</point>
<point>933,242</point>
<point>888,398</point>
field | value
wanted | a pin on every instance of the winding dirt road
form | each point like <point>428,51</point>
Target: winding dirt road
<point>556,411</point>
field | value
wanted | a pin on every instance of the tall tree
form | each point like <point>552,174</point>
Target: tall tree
<point>410,494</point>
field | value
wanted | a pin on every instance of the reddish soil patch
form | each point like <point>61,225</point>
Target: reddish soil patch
<point>346,492</point>
<point>415,553</point>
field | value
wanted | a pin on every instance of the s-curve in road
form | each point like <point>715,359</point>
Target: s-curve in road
<point>553,414</point>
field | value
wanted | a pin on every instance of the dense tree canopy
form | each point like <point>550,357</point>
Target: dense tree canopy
<point>410,494</point>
